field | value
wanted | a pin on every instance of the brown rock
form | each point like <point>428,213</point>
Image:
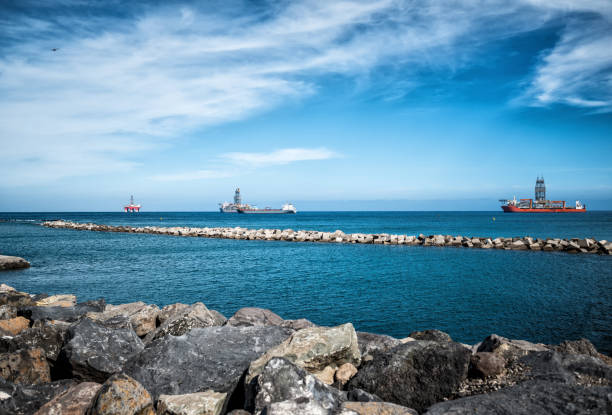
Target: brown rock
<point>486,364</point>
<point>169,311</point>
<point>345,373</point>
<point>14,326</point>
<point>326,375</point>
<point>74,401</point>
<point>253,316</point>
<point>377,408</point>
<point>122,395</point>
<point>509,349</point>
<point>25,367</point>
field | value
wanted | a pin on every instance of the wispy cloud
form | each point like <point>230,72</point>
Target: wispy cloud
<point>152,74</point>
<point>231,164</point>
<point>284,156</point>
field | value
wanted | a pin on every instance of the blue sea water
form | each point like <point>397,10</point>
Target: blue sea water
<point>468,293</point>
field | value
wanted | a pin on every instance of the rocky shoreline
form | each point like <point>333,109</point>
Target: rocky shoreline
<point>573,246</point>
<point>58,356</point>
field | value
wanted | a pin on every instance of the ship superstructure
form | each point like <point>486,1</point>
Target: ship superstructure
<point>132,207</point>
<point>227,207</point>
<point>539,204</point>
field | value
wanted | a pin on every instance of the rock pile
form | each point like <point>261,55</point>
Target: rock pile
<point>62,357</point>
<point>574,245</point>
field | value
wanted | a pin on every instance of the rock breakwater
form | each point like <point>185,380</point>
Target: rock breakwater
<point>103,360</point>
<point>574,245</point>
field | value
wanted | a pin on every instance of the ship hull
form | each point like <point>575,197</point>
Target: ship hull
<point>514,209</point>
<point>265,212</point>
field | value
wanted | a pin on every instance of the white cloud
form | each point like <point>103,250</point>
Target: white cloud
<point>147,80</point>
<point>279,157</point>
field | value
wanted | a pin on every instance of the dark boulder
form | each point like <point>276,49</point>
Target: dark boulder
<point>16,299</point>
<point>93,352</point>
<point>416,374</point>
<point>48,337</point>
<point>281,381</point>
<point>532,398</point>
<point>69,314</point>
<point>370,342</point>
<point>486,364</point>
<point>359,395</point>
<point>26,399</point>
<point>204,358</point>
<point>431,335</point>
<point>185,320</point>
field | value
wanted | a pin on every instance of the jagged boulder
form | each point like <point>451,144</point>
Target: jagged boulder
<point>253,316</point>
<point>69,314</point>
<point>531,398</point>
<point>202,359</point>
<point>200,403</point>
<point>121,394</point>
<point>281,380</point>
<point>143,317</point>
<point>48,337</point>
<point>510,350</point>
<point>431,335</point>
<point>370,342</point>
<point>415,374</point>
<point>25,367</point>
<point>17,399</point>
<point>74,401</point>
<point>194,316</point>
<point>314,349</point>
<point>93,352</point>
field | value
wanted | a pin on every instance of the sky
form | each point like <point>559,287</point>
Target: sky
<point>332,105</point>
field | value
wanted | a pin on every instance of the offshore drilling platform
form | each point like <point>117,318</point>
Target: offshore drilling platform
<point>539,204</point>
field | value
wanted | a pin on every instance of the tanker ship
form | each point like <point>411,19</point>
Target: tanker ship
<point>539,204</point>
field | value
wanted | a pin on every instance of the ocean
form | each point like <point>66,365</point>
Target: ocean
<point>468,293</point>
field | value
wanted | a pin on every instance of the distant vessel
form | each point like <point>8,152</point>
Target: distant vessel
<point>227,207</point>
<point>132,207</point>
<point>540,204</point>
<point>287,208</point>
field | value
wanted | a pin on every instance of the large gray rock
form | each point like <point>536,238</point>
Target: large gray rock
<point>370,342</point>
<point>281,381</point>
<point>314,349</point>
<point>69,314</point>
<point>12,262</point>
<point>253,316</point>
<point>532,398</point>
<point>204,358</point>
<point>416,374</point>
<point>194,316</point>
<point>143,317</point>
<point>26,399</point>
<point>94,352</point>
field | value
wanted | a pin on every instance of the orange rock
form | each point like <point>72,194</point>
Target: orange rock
<point>121,394</point>
<point>25,367</point>
<point>345,373</point>
<point>14,326</point>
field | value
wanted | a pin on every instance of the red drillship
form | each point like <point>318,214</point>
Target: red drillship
<point>131,207</point>
<point>540,204</point>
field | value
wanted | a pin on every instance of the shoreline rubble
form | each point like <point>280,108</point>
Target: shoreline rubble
<point>573,245</point>
<point>94,358</point>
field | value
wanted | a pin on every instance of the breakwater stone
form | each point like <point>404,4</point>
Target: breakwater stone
<point>527,243</point>
<point>12,262</point>
<point>257,363</point>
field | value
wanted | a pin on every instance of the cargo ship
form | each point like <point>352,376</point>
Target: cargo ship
<point>132,207</point>
<point>286,208</point>
<point>540,204</point>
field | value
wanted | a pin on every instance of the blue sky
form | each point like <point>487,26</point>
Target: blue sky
<point>349,105</point>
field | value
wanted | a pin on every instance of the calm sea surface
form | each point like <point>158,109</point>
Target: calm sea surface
<point>469,293</point>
